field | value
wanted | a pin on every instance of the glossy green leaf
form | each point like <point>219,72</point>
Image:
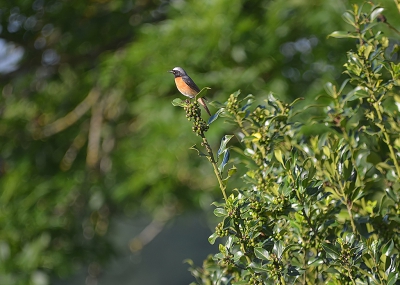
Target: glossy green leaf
<point>392,270</point>
<point>220,212</point>
<point>391,194</point>
<point>376,13</point>
<point>215,116</point>
<point>238,254</point>
<point>388,248</point>
<point>278,248</point>
<point>257,267</point>
<point>392,278</point>
<point>224,141</point>
<point>225,160</point>
<point>331,251</point>
<point>261,253</point>
<point>212,238</point>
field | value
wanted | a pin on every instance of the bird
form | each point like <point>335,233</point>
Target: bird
<point>186,86</point>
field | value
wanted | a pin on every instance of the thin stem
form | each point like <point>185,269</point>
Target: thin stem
<point>387,140</point>
<point>214,164</point>
<point>349,206</point>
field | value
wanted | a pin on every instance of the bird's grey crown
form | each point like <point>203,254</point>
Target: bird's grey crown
<point>180,70</point>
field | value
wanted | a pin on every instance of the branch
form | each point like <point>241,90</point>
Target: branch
<point>69,119</point>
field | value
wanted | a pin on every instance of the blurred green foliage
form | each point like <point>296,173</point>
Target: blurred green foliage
<point>87,130</point>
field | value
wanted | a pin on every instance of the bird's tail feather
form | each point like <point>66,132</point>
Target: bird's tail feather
<point>202,102</point>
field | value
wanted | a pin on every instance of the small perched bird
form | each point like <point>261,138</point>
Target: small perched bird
<point>186,86</point>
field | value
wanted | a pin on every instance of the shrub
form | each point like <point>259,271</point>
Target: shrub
<point>321,201</point>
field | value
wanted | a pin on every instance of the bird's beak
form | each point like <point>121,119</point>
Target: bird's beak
<point>170,71</point>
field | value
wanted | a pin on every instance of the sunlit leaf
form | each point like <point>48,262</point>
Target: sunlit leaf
<point>224,141</point>
<point>212,238</point>
<point>342,34</point>
<point>376,13</point>
<point>278,156</point>
<point>278,248</point>
<point>220,212</point>
<point>388,248</point>
<point>224,161</point>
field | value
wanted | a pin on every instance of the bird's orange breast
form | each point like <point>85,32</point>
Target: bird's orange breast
<point>184,88</point>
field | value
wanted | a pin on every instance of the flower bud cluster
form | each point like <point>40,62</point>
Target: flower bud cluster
<point>193,112</point>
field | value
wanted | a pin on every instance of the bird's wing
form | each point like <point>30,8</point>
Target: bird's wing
<point>191,83</point>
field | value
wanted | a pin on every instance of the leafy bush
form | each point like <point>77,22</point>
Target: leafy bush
<point>321,203</point>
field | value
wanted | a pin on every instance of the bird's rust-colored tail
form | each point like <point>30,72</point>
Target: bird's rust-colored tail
<point>202,102</point>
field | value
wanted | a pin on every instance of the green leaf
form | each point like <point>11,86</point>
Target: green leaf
<point>392,278</point>
<point>278,249</point>
<point>342,34</point>
<point>261,253</point>
<point>376,13</point>
<point>292,271</point>
<point>232,171</point>
<point>229,242</point>
<point>368,50</point>
<point>388,248</point>
<point>348,18</point>
<point>224,161</point>
<point>391,194</point>
<point>202,92</point>
<point>220,212</point>
<point>215,116</point>
<point>212,238</point>
<point>237,255</point>
<point>240,283</point>
<point>331,250</point>
<point>326,151</point>
<point>392,270</point>
<point>343,85</point>
<point>278,156</point>
<point>330,89</point>
<point>258,267</point>
<point>224,141</point>
<point>315,261</point>
<point>178,102</point>
<point>358,92</point>
<point>236,94</point>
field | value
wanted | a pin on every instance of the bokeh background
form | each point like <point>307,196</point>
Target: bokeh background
<point>97,182</point>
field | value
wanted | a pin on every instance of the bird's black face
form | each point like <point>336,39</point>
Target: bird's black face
<point>175,72</point>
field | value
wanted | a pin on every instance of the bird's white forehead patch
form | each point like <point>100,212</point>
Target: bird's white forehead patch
<point>180,69</point>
